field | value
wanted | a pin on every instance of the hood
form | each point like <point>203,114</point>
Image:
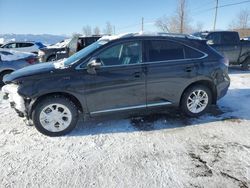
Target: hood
<point>29,71</point>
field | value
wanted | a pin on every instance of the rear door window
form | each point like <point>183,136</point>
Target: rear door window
<point>25,45</point>
<point>163,50</point>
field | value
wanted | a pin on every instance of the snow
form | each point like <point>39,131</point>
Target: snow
<point>114,37</point>
<point>15,55</point>
<point>158,150</point>
<point>60,44</point>
<point>60,64</point>
<point>1,40</point>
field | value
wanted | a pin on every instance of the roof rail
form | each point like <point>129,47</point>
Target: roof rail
<point>128,35</point>
<point>172,35</point>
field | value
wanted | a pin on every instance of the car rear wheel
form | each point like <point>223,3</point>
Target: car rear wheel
<point>196,100</point>
<point>51,58</point>
<point>55,116</point>
<point>2,75</point>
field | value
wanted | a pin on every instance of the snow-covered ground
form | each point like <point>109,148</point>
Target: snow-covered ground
<point>160,150</point>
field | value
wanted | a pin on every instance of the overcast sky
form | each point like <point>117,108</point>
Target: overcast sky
<point>69,16</point>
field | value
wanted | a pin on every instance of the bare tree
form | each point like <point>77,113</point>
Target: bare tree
<point>199,26</point>
<point>241,23</point>
<point>163,24</point>
<point>87,31</point>
<point>97,30</point>
<point>179,22</point>
<point>109,29</point>
<point>181,13</point>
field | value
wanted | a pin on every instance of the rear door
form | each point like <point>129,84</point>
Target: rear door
<point>26,47</point>
<point>170,67</point>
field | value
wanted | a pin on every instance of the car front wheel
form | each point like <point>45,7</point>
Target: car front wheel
<point>55,116</point>
<point>196,100</point>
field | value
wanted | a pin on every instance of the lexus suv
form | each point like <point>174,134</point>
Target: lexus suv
<point>126,73</point>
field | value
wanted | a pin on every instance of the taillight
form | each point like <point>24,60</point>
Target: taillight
<point>31,61</point>
<point>225,61</point>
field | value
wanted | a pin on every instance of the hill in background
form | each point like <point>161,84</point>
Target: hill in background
<point>44,38</point>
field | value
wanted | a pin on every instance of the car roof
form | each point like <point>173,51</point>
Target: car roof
<point>170,36</point>
<point>218,31</point>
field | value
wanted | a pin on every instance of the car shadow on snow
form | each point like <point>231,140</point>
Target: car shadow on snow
<point>232,108</point>
<point>170,119</point>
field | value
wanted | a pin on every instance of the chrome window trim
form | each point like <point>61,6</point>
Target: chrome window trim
<point>148,62</point>
<point>151,62</point>
<point>131,107</point>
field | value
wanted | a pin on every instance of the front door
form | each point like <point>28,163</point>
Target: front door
<point>119,84</point>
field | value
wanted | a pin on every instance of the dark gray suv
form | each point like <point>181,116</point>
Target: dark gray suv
<point>119,74</point>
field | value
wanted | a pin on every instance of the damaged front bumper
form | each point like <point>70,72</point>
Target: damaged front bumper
<point>16,101</point>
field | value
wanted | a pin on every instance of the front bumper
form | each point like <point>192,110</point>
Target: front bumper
<point>16,101</point>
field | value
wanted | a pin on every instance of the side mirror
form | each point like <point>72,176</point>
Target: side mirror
<point>93,65</point>
<point>210,42</point>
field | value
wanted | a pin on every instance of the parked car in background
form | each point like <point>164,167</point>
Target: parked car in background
<point>65,48</point>
<point>32,47</point>
<point>49,53</point>
<point>228,43</point>
<point>13,60</point>
<point>131,73</point>
<point>246,38</point>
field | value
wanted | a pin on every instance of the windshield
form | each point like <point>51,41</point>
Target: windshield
<point>84,52</point>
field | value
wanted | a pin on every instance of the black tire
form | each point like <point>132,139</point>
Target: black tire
<point>51,58</point>
<point>41,105</point>
<point>246,64</point>
<point>188,93</point>
<point>2,75</point>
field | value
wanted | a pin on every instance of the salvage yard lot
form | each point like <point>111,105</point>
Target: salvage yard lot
<point>159,150</point>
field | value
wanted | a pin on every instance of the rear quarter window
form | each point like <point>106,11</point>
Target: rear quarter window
<point>191,53</point>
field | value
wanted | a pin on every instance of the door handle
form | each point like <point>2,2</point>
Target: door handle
<point>137,74</point>
<point>189,69</point>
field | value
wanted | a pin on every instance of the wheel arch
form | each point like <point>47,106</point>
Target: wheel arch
<point>50,56</point>
<point>244,57</point>
<point>206,83</point>
<point>71,97</point>
<point>6,70</point>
